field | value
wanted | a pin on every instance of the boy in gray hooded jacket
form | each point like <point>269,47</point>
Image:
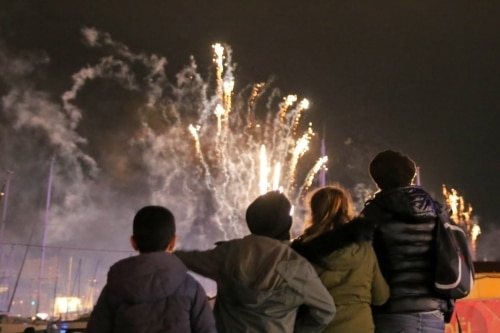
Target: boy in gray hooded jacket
<point>151,292</point>
<point>262,284</point>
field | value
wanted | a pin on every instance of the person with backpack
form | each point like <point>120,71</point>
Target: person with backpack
<point>404,218</point>
<point>263,285</point>
<point>350,271</point>
<point>152,291</point>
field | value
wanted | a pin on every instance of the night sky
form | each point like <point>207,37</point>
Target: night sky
<point>420,77</point>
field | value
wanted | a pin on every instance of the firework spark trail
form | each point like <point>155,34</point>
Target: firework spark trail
<point>301,147</point>
<point>320,163</point>
<point>156,150</point>
<point>264,170</point>
<point>303,105</point>
<point>219,68</point>
<point>224,90</point>
<point>206,168</point>
<point>288,101</point>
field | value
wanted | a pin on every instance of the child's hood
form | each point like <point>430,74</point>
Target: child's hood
<point>146,277</point>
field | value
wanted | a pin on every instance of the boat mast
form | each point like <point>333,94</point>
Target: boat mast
<point>5,276</point>
<point>89,302</point>
<point>16,284</point>
<point>322,172</point>
<point>4,196</point>
<point>46,220</point>
<point>53,308</point>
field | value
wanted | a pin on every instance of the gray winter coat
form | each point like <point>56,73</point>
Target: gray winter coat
<point>151,293</point>
<point>263,286</point>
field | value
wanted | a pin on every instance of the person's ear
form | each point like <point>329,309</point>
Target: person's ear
<point>171,245</point>
<point>133,243</point>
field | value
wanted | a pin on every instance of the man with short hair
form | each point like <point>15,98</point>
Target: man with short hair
<point>404,218</point>
<point>151,292</point>
<point>262,284</point>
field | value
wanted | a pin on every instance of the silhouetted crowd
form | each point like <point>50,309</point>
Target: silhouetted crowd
<point>348,273</point>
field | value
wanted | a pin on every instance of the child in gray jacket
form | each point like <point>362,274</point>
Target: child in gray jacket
<point>262,284</point>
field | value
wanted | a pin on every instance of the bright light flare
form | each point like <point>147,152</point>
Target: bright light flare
<point>304,104</point>
<point>228,87</point>
<point>264,170</point>
<point>475,231</point>
<point>194,132</point>
<point>219,52</point>
<point>276,176</point>
<point>219,113</point>
<point>290,99</point>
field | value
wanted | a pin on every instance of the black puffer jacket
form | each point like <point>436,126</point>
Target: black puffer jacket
<point>404,221</point>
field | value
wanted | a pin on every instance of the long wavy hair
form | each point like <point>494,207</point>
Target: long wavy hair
<point>329,206</point>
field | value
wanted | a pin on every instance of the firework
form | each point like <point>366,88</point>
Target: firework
<point>239,155</point>
<point>201,146</point>
<point>462,216</point>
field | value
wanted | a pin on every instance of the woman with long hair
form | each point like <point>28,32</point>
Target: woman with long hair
<point>329,207</point>
<point>349,270</point>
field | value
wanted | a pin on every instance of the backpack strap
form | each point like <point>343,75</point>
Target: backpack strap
<point>458,323</point>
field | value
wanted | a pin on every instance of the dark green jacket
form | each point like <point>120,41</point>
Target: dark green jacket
<point>353,278</point>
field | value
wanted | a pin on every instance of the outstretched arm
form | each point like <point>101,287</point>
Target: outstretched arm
<point>206,263</point>
<point>358,230</point>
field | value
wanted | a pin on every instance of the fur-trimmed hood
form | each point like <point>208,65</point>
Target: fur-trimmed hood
<point>356,231</point>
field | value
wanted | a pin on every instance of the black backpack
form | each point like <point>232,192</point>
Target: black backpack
<point>454,274</point>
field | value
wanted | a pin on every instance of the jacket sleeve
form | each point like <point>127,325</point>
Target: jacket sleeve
<point>358,230</point>
<point>101,318</point>
<point>318,308</point>
<point>206,263</point>
<point>202,318</point>
<point>380,288</point>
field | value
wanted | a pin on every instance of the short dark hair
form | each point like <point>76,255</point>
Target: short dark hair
<point>153,228</point>
<point>269,215</point>
<point>391,169</point>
